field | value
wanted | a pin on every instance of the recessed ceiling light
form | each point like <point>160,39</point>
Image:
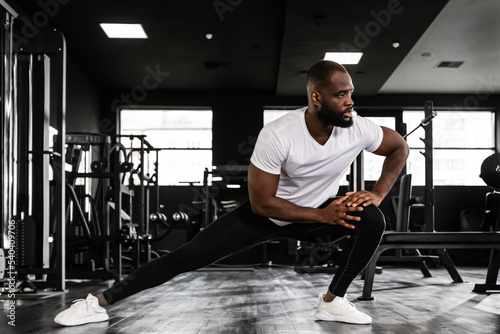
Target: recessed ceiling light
<point>209,36</point>
<point>450,64</point>
<point>344,58</point>
<point>124,30</point>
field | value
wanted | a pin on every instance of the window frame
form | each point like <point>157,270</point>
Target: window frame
<point>162,149</point>
<point>456,148</point>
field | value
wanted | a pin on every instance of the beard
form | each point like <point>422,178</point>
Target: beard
<point>333,117</point>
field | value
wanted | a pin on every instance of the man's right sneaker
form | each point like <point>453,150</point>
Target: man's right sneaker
<point>83,311</point>
<point>340,309</point>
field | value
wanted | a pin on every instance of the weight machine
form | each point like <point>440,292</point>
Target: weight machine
<point>33,97</point>
<point>490,173</point>
<point>114,206</point>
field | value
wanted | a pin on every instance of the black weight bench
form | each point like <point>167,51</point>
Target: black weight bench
<point>439,241</point>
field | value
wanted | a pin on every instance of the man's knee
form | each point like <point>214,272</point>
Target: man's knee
<point>372,220</point>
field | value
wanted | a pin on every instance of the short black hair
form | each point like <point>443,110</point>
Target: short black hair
<point>319,74</point>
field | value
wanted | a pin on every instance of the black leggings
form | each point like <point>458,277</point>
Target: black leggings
<point>241,229</point>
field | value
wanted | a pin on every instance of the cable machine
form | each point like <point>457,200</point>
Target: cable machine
<point>109,204</point>
<point>33,97</point>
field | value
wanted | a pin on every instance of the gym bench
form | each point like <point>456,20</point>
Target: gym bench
<point>401,238</point>
<point>440,241</point>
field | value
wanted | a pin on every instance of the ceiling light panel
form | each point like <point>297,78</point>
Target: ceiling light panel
<point>124,30</point>
<point>344,58</point>
<point>450,64</point>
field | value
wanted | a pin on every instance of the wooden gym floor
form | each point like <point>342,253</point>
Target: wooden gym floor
<point>275,300</point>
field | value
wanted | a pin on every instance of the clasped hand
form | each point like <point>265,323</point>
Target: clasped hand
<point>339,211</point>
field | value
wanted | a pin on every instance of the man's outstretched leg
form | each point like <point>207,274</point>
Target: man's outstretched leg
<point>237,230</point>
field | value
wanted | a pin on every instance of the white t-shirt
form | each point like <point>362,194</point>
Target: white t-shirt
<point>310,172</point>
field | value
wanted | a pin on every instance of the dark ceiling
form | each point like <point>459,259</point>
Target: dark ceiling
<point>264,46</point>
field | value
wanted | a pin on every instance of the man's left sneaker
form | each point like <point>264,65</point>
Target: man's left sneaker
<point>83,311</point>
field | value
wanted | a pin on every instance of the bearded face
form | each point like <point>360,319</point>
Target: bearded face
<point>335,116</point>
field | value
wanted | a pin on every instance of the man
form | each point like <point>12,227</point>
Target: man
<point>293,180</point>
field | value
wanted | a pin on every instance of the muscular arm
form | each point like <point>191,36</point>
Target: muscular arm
<point>396,151</point>
<point>262,188</point>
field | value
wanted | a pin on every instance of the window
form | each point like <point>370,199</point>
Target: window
<point>462,140</point>
<point>184,137</point>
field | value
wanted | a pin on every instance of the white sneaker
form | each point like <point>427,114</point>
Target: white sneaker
<point>340,309</point>
<point>83,311</point>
